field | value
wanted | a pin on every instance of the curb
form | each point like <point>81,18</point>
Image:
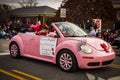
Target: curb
<point>117,52</point>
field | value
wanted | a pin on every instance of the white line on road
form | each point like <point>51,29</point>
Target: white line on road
<point>93,77</point>
<point>1,54</point>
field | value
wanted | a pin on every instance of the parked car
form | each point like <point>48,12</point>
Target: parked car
<point>66,45</point>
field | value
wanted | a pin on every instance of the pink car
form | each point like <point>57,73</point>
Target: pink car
<point>65,44</point>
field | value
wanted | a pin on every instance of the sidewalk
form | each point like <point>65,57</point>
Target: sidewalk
<point>4,42</point>
<point>117,51</point>
<point>4,45</point>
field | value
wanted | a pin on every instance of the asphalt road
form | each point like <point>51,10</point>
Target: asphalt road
<point>30,69</point>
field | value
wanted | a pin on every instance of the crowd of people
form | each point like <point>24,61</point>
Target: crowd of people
<point>111,36</point>
<point>9,29</point>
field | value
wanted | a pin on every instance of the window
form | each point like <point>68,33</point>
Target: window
<point>118,15</point>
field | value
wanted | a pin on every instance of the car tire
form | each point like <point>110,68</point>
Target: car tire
<point>67,61</point>
<point>14,50</point>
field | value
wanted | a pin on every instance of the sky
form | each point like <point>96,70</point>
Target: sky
<point>52,3</point>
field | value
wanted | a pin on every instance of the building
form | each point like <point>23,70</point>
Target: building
<point>32,14</point>
<point>116,6</point>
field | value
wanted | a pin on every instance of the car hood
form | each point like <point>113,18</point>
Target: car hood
<point>94,42</point>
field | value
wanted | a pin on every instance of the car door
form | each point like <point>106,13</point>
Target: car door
<point>44,47</point>
<point>28,41</point>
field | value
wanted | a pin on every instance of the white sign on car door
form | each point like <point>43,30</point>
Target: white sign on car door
<point>48,46</point>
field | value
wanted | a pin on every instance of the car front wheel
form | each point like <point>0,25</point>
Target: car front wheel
<point>14,50</point>
<point>67,61</point>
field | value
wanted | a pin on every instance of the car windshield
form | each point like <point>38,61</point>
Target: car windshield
<point>70,30</point>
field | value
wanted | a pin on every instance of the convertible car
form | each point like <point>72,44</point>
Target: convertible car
<point>66,45</point>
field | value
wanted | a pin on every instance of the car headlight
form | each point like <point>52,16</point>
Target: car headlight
<point>85,48</point>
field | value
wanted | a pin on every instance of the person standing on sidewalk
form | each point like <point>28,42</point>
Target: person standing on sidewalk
<point>88,25</point>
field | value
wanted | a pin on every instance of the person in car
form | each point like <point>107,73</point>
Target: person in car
<point>40,29</point>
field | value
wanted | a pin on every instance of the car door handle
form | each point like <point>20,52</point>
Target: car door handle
<point>31,38</point>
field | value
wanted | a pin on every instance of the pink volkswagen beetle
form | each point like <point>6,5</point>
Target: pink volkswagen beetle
<point>65,44</point>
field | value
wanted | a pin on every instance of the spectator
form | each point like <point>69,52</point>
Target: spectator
<point>105,36</point>
<point>18,24</point>
<point>92,32</point>
<point>116,42</point>
<point>0,33</point>
<point>88,25</point>
<point>111,37</point>
<point>28,24</point>
<point>10,25</point>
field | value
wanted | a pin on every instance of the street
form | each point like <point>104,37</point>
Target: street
<point>30,69</point>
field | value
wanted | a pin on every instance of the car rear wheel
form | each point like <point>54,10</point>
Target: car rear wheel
<point>14,50</point>
<point>67,61</point>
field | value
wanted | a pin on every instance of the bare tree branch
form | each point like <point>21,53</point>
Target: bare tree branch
<point>28,3</point>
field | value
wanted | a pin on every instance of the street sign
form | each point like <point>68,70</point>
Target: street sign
<point>63,13</point>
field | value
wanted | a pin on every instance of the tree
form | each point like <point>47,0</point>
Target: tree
<point>4,13</point>
<point>28,3</point>
<point>78,11</point>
